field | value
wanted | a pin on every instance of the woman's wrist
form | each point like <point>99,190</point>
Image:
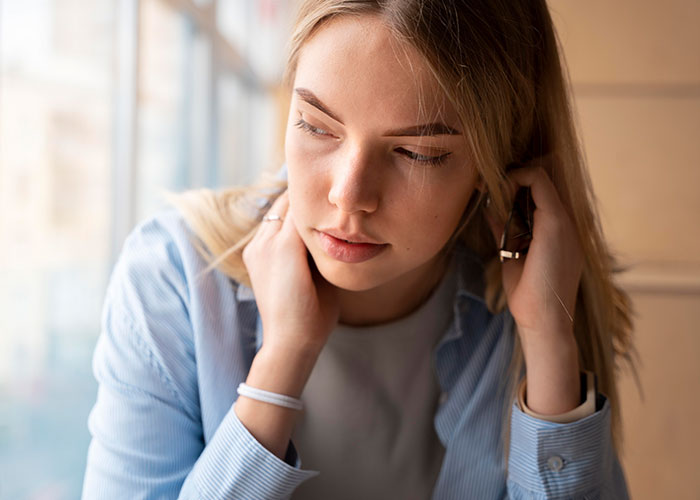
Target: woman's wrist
<point>552,370</point>
<point>282,369</point>
<point>585,409</point>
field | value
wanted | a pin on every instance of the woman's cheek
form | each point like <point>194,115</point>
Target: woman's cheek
<point>305,185</point>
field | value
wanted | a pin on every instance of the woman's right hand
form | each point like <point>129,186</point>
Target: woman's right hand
<point>298,307</point>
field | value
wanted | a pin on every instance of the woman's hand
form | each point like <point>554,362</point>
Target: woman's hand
<point>298,307</point>
<point>541,290</point>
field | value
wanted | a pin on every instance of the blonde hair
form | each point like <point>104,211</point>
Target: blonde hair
<point>499,65</point>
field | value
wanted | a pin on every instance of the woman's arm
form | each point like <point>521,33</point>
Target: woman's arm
<point>148,436</point>
<point>283,371</point>
<point>541,289</point>
<point>576,460</point>
<point>298,311</point>
<point>549,459</point>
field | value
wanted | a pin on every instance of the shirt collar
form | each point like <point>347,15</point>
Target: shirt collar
<point>243,293</point>
<point>470,274</point>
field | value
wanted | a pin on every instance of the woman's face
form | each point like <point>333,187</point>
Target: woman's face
<point>375,155</point>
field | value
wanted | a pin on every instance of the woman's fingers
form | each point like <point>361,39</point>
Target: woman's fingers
<point>544,194</point>
<point>292,310</point>
<point>266,231</point>
<point>279,208</point>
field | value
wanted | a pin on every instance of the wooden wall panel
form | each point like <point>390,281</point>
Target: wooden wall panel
<point>635,67</point>
<point>661,431</point>
<point>644,159</point>
<point>630,40</point>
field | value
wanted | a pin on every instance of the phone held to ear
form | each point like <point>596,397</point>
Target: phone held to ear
<point>517,232</point>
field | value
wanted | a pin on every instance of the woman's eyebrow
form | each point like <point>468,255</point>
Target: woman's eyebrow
<point>427,129</point>
<point>309,97</point>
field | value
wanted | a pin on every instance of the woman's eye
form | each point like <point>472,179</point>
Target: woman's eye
<point>306,127</point>
<point>428,160</point>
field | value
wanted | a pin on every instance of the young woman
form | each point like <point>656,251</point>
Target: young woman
<point>419,305</point>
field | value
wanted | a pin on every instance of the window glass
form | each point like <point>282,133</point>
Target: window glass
<point>55,87</point>
<point>72,185</point>
<point>162,109</point>
<point>259,30</point>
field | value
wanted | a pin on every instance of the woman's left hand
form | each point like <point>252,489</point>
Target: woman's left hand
<point>541,288</point>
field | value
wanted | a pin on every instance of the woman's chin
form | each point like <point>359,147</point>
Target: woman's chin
<point>350,277</point>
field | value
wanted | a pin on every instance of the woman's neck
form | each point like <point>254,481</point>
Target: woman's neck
<point>392,300</point>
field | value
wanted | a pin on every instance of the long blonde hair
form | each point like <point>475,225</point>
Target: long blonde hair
<point>498,62</point>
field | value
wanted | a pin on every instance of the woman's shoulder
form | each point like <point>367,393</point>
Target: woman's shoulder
<point>164,244</point>
<point>164,237</point>
<point>159,289</point>
<point>160,268</point>
<point>161,320</point>
<point>154,252</point>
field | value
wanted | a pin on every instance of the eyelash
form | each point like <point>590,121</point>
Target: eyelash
<point>423,159</point>
<point>426,160</point>
<point>306,127</point>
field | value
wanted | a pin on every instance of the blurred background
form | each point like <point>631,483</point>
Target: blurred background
<point>104,103</point>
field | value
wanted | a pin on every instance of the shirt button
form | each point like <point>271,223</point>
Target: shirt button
<point>555,463</point>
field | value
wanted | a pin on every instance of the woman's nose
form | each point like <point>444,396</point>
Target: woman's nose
<point>355,184</point>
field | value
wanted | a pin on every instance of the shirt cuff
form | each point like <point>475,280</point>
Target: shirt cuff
<point>582,411</point>
<point>235,465</point>
<point>557,461</point>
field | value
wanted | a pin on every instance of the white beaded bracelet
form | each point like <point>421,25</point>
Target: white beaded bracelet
<point>269,397</point>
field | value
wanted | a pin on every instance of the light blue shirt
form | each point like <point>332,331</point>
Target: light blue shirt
<point>173,349</point>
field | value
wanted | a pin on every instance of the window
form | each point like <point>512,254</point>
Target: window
<point>102,105</point>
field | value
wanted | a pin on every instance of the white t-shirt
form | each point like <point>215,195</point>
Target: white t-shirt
<point>369,404</point>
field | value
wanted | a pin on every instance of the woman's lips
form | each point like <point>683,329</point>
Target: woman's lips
<point>348,252</point>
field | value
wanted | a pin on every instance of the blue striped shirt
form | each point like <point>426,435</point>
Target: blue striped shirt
<point>173,349</point>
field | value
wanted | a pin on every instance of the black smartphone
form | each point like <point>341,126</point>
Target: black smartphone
<point>517,232</point>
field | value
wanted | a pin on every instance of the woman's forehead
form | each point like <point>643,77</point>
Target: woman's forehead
<point>356,64</point>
